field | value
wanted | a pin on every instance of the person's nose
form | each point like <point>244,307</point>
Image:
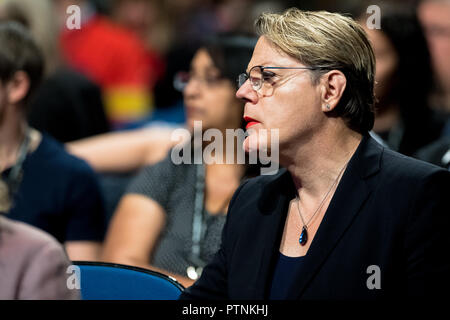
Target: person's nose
<point>247,93</point>
<point>192,89</point>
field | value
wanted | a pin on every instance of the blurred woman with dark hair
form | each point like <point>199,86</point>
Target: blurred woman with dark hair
<point>172,215</point>
<point>404,80</point>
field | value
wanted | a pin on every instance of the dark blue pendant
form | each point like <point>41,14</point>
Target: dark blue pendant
<point>303,236</point>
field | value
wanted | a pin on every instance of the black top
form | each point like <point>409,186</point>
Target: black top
<point>389,213</point>
<point>59,194</point>
<point>282,277</point>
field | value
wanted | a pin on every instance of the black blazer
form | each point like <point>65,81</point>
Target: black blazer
<point>389,210</point>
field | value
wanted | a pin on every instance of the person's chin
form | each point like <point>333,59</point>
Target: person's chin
<point>246,145</point>
<point>253,142</point>
<point>192,120</point>
<point>190,124</point>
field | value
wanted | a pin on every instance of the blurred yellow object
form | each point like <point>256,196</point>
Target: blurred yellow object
<point>127,104</point>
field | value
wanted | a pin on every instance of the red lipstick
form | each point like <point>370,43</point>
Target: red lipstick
<point>250,122</point>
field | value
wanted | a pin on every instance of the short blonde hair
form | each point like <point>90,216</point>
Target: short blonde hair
<point>333,41</point>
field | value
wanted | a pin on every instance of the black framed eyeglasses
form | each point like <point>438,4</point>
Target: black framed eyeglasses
<point>258,75</point>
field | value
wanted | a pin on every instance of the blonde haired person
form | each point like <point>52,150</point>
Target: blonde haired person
<point>33,264</point>
<point>346,219</point>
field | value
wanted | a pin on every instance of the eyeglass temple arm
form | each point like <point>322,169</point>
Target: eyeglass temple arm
<point>312,68</point>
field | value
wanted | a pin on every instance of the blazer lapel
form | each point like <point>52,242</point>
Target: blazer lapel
<point>273,205</point>
<point>346,203</point>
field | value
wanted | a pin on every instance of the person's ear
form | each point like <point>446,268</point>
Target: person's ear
<point>18,87</point>
<point>333,87</point>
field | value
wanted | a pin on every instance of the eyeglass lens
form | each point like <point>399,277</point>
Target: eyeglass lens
<point>257,80</point>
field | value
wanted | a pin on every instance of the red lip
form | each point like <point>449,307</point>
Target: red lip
<point>250,122</point>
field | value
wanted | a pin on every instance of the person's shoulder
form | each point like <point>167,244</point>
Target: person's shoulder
<point>54,153</point>
<point>437,152</point>
<point>410,178</point>
<point>398,165</point>
<point>166,171</point>
<point>65,78</point>
<point>24,238</point>
<point>172,162</point>
<point>36,263</point>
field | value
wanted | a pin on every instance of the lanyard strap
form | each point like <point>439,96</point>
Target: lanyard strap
<point>198,223</point>
<point>15,175</point>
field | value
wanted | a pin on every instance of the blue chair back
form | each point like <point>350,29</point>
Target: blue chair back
<point>109,281</point>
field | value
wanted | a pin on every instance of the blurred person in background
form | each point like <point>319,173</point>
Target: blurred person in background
<point>194,21</point>
<point>152,23</point>
<point>171,216</point>
<point>118,155</point>
<point>67,105</point>
<point>49,188</point>
<point>146,19</point>
<point>404,79</point>
<point>112,57</point>
<point>435,18</point>
<point>437,153</point>
<point>33,264</point>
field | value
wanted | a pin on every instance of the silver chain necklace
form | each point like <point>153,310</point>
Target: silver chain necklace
<point>304,233</point>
